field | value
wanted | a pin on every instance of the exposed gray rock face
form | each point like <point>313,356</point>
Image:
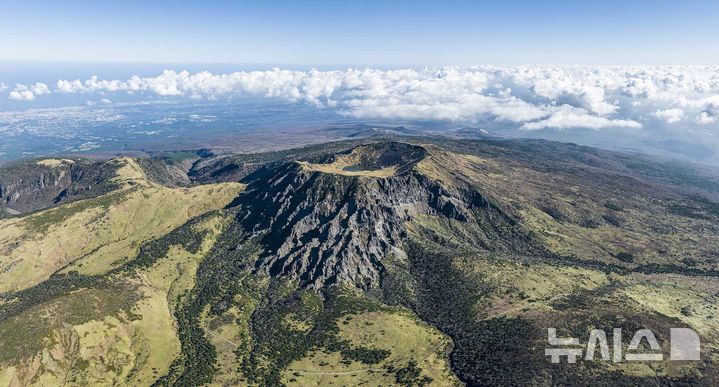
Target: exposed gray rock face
<point>324,228</point>
<point>30,186</point>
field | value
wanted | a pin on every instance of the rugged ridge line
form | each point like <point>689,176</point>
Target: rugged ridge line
<point>325,228</point>
<point>32,186</point>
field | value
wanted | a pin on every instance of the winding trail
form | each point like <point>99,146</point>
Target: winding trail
<point>222,338</point>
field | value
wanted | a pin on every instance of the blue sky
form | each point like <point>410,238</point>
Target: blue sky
<point>377,61</point>
<point>357,33</point>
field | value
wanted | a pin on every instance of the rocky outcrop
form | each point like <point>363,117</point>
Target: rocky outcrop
<point>323,228</point>
<point>34,185</point>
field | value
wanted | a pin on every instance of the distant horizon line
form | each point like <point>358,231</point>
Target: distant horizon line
<point>408,65</point>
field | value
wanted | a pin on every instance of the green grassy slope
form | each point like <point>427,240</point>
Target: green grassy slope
<point>163,284</point>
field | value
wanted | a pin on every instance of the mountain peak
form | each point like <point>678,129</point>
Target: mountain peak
<point>336,219</point>
<point>378,160</point>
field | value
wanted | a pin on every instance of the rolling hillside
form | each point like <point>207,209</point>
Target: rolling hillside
<point>380,261</point>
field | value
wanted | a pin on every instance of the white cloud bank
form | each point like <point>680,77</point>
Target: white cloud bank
<point>23,92</point>
<point>567,117</point>
<point>670,115</point>
<point>525,97</point>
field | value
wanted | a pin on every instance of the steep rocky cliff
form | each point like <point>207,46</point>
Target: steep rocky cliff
<point>336,220</point>
<point>26,187</point>
<point>464,253</point>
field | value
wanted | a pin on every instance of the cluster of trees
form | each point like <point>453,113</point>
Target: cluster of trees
<point>187,236</point>
<point>216,281</point>
<point>56,285</point>
<point>410,375</point>
<point>486,352</point>
<point>277,344</point>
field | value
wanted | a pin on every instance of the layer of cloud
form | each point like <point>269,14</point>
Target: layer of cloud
<point>23,92</point>
<point>567,117</point>
<point>670,116</point>
<point>525,97</point>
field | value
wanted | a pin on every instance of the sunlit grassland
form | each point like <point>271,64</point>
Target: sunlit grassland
<point>402,334</point>
<point>118,332</point>
<point>95,235</point>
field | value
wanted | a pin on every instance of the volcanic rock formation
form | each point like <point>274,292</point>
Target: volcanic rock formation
<point>335,220</point>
